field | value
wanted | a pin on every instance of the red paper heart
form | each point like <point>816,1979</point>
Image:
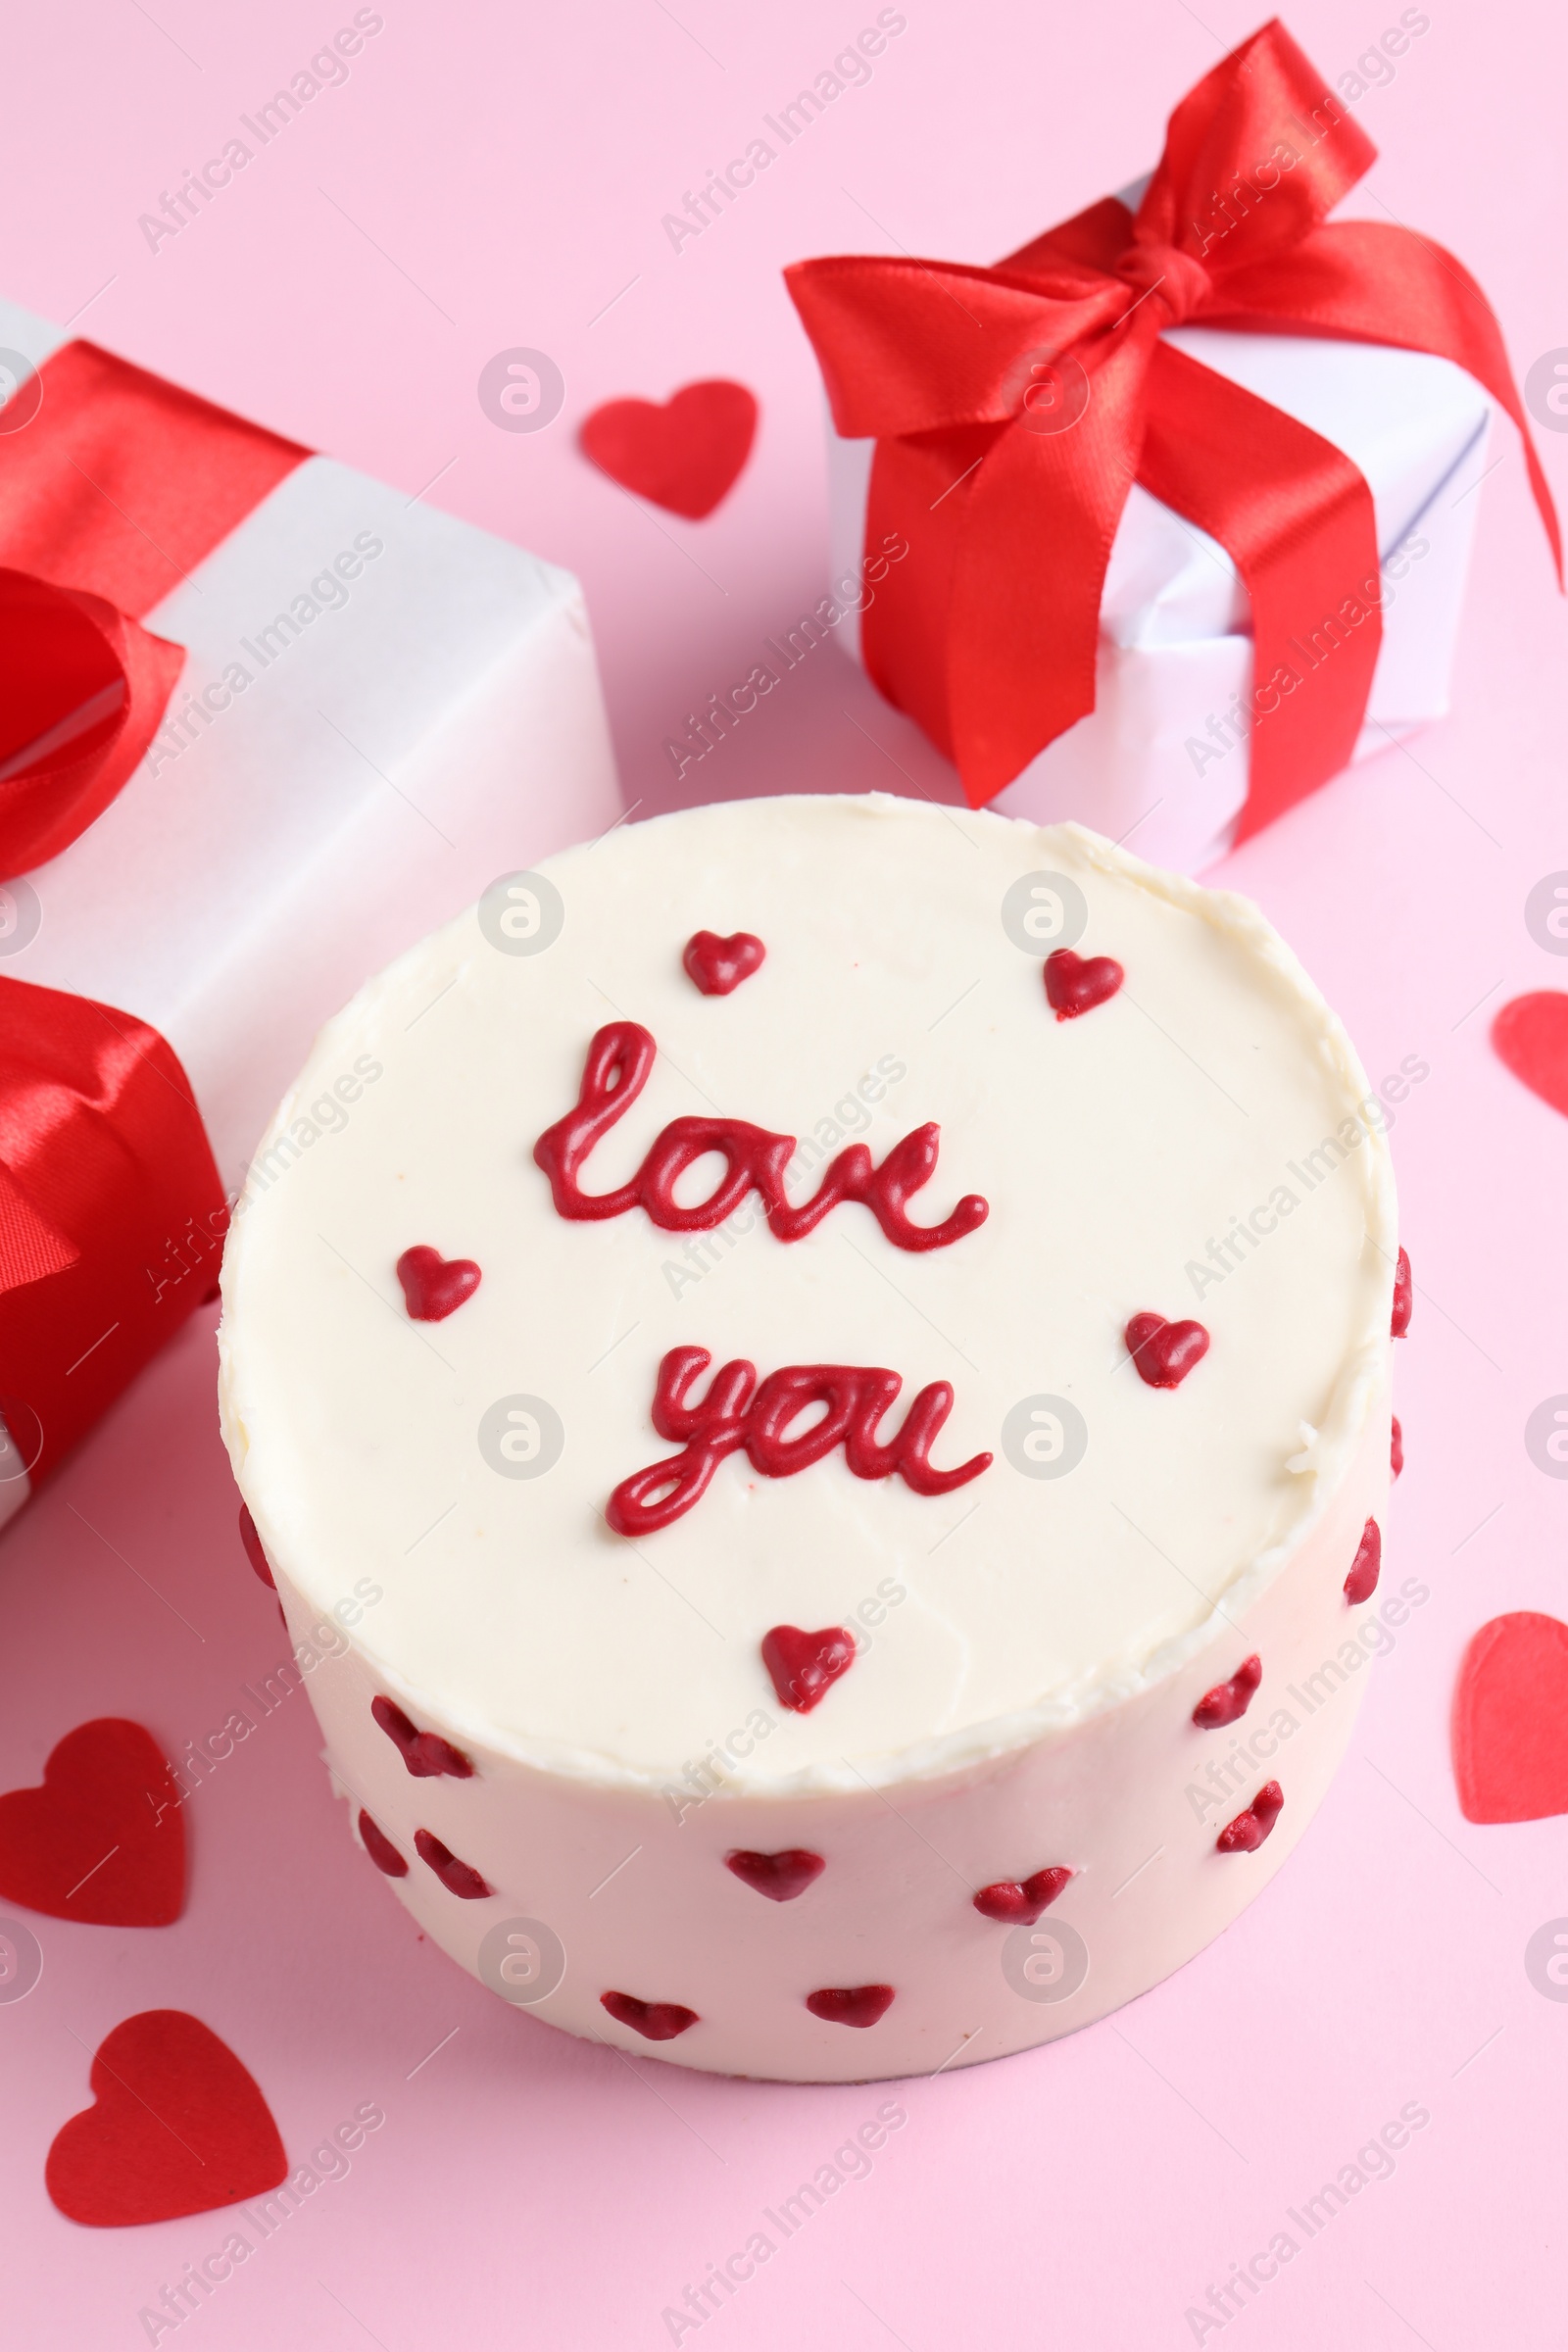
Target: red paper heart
<point>179,2127</point>
<point>1510,1719</point>
<point>1228,1701</point>
<point>1531,1034</point>
<point>1247,1832</point>
<point>1075,984</point>
<point>1164,1353</point>
<point>683,456</point>
<point>104,1838</point>
<point>655,2021</point>
<point>780,1877</point>
<point>435,1287</point>
<point>806,1666</point>
<point>1020,1901</point>
<point>456,1876</point>
<point>851,2004</point>
<point>425,1753</point>
<point>719,964</point>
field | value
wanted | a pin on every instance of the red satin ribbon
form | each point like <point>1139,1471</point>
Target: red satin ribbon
<point>112,1214</point>
<point>987,634</point>
<point>113,490</point>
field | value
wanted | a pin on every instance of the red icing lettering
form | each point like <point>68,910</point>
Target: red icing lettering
<point>806,1666</point>
<point>1228,1701</point>
<point>780,1877</point>
<point>457,1878</point>
<point>619,1059</point>
<point>736,1412</point>
<point>656,2020</point>
<point>1367,1565</point>
<point>1247,1832</point>
<point>425,1753</point>
<point>1075,984</point>
<point>1020,1901</point>
<point>1164,1353</point>
<point>719,964</point>
<point>1403,1295</point>
<point>851,2004</point>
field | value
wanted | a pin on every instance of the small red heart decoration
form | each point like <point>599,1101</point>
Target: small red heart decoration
<point>719,964</point>
<point>1228,1701</point>
<point>253,1547</point>
<point>381,1848</point>
<point>435,1287</point>
<point>178,2127</point>
<point>1366,1567</point>
<point>656,2020</point>
<point>806,1666</point>
<point>1247,1832</point>
<point>1074,983</point>
<point>1510,1719</point>
<point>457,1878</point>
<point>1403,1297</point>
<point>684,456</point>
<point>1020,1901</point>
<point>425,1753</point>
<point>1164,1353</point>
<point>851,2004</point>
<point>103,1840</point>
<point>1531,1034</point>
<point>1395,1447</point>
<point>780,1877</point>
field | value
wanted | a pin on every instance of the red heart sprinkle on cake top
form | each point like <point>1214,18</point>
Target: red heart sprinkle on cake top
<point>1075,984</point>
<point>717,964</point>
<point>851,2004</point>
<point>1228,1701</point>
<point>435,1287</point>
<point>1164,1353</point>
<point>656,2020</point>
<point>1531,1034</point>
<point>781,1877</point>
<point>1247,1832</point>
<point>684,456</point>
<point>425,1753</point>
<point>253,1547</point>
<point>1395,1448</point>
<point>1510,1719</point>
<point>381,1848</point>
<point>1020,1901</point>
<point>103,1840</point>
<point>806,1666</point>
<point>1403,1295</point>
<point>1367,1565</point>
<point>178,2127</point>
<point>457,1878</point>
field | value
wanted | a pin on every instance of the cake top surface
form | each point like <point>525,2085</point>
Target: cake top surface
<point>1192,1142</point>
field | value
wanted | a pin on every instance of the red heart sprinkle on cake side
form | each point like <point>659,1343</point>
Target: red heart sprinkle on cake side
<point>1164,1353</point>
<point>1367,1565</point>
<point>781,1877</point>
<point>435,1287</point>
<point>1531,1036</point>
<point>425,1753</point>
<point>253,1547</point>
<point>381,1848</point>
<point>103,1840</point>
<point>806,1666</point>
<point>457,1878</point>
<point>1247,1832</point>
<point>1020,1901</point>
<point>684,456</point>
<point>1403,1297</point>
<point>655,2021</point>
<point>179,2127</point>
<point>1395,1448</point>
<point>719,964</point>
<point>1510,1719</point>
<point>1228,1701</point>
<point>1075,984</point>
<point>851,2004</point>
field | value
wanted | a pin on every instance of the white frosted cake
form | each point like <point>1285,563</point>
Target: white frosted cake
<point>829,1359</point>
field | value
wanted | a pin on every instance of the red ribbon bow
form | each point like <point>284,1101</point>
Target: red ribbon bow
<point>1013,409</point>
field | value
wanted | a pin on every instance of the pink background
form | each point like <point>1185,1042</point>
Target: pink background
<point>504,173</point>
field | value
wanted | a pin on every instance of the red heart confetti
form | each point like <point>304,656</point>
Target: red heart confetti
<point>103,1840</point>
<point>435,1287</point>
<point>457,1878</point>
<point>1531,1034</point>
<point>1228,1701</point>
<point>655,2021</point>
<point>780,1877</point>
<point>1367,1565</point>
<point>425,1753</point>
<point>1164,1353</point>
<point>1247,1832</point>
<point>1510,1719</point>
<point>806,1666</point>
<point>851,2004</point>
<point>1075,984</point>
<point>719,964</point>
<point>381,1848</point>
<point>178,2127</point>
<point>1403,1297</point>
<point>1395,1448</point>
<point>684,456</point>
<point>1020,1901</point>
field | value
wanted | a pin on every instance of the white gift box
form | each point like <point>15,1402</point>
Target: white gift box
<point>1148,765</point>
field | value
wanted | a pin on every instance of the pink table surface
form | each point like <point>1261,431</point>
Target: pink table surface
<point>489,177</point>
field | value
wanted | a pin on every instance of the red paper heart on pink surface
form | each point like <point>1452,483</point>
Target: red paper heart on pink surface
<point>684,456</point>
<point>435,1287</point>
<point>1510,1719</point>
<point>719,964</point>
<point>806,1666</point>
<point>1020,1901</point>
<point>780,1877</point>
<point>655,2021</point>
<point>1164,1353</point>
<point>103,1840</point>
<point>1075,984</point>
<point>178,2127</point>
<point>1531,1034</point>
<point>851,2004</point>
